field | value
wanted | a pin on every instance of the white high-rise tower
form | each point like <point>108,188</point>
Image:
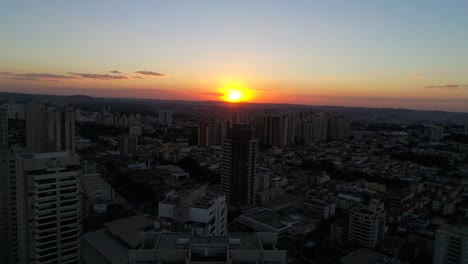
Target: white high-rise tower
<point>49,207</point>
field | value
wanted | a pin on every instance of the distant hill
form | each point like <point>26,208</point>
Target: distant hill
<point>210,108</point>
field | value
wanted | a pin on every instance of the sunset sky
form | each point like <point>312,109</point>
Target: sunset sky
<point>377,53</point>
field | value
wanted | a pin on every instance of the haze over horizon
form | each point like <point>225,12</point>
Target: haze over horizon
<point>377,54</point>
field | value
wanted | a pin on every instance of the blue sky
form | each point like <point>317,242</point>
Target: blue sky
<point>319,49</point>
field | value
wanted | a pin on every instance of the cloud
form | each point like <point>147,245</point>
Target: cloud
<point>212,93</point>
<point>41,77</point>
<point>99,76</point>
<point>32,79</point>
<point>137,77</point>
<point>115,72</point>
<point>58,77</point>
<point>445,87</point>
<point>262,90</point>
<point>150,73</point>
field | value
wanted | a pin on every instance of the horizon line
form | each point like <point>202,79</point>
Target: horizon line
<point>231,103</point>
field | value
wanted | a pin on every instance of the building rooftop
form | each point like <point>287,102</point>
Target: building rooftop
<point>173,241</point>
<point>286,199</point>
<point>265,220</point>
<point>48,155</point>
<point>363,256</point>
<point>185,241</point>
<point>108,246</point>
<point>169,168</point>
<point>206,201</point>
<point>93,181</point>
<point>128,229</point>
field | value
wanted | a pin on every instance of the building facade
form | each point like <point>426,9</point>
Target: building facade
<point>165,117</point>
<point>128,144</point>
<point>185,248</point>
<point>367,226</point>
<point>5,206</point>
<point>49,207</point>
<point>238,166</point>
<point>194,210</point>
<point>451,245</point>
<point>49,128</point>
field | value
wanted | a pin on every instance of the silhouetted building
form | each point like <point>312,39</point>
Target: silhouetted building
<point>212,133</point>
<point>49,207</point>
<point>338,127</point>
<point>49,128</point>
<point>128,144</point>
<point>5,206</point>
<point>451,245</point>
<point>239,159</point>
<point>165,117</point>
<point>15,111</point>
<point>36,126</point>
<point>206,134</point>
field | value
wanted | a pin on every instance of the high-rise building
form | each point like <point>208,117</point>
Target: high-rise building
<point>8,202</point>
<point>211,133</point>
<point>49,128</point>
<point>4,188</point>
<point>13,210</point>
<point>316,127</point>
<point>338,127</point>
<point>8,209</point>
<point>54,128</point>
<point>165,117</point>
<point>15,111</point>
<point>451,245</point>
<point>238,166</point>
<point>49,207</point>
<point>128,144</point>
<point>36,126</point>
<point>69,141</point>
<point>275,128</point>
<point>194,210</point>
<point>367,226</point>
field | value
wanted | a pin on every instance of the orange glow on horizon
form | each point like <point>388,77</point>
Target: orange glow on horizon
<point>235,92</point>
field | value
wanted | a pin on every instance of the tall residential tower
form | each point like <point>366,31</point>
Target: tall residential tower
<point>5,206</point>
<point>49,128</point>
<point>451,245</point>
<point>239,158</point>
<point>49,207</point>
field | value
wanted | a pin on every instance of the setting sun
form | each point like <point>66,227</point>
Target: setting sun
<point>234,96</point>
<point>235,92</point>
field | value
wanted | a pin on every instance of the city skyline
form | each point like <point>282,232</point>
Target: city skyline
<point>376,54</point>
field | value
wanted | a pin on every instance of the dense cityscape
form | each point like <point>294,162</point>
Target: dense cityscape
<point>122,182</point>
<point>233,132</point>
